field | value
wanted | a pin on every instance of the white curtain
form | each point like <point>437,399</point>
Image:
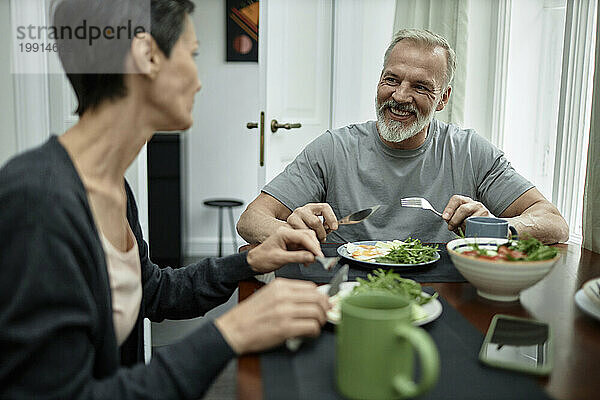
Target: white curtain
<point>448,18</point>
<point>591,199</point>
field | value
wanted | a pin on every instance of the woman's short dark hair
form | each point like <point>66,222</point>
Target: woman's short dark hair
<point>94,38</point>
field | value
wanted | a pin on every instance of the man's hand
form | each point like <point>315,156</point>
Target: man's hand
<point>285,246</point>
<point>283,309</point>
<point>460,208</point>
<point>307,217</point>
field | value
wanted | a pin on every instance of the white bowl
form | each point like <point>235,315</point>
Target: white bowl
<point>497,280</point>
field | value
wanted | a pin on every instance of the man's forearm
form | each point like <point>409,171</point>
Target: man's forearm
<point>255,226</point>
<point>543,224</point>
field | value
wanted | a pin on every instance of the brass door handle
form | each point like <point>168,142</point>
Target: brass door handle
<point>261,125</point>
<point>275,125</point>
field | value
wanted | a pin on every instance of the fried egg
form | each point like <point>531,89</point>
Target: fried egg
<point>367,252</point>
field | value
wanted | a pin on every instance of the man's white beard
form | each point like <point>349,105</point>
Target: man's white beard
<point>396,131</point>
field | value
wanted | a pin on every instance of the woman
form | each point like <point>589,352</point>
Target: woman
<point>76,278</point>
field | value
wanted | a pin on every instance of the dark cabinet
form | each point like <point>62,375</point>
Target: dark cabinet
<point>164,199</point>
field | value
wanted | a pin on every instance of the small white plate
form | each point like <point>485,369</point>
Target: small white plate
<point>432,309</point>
<point>586,304</point>
<point>591,289</point>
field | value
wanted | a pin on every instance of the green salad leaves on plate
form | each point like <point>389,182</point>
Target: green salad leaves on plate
<point>392,282</point>
<point>412,251</point>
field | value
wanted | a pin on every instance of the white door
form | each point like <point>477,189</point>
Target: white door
<point>295,64</point>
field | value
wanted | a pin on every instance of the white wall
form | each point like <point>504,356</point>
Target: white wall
<point>227,101</point>
<point>8,138</point>
<point>363,30</point>
<point>479,66</point>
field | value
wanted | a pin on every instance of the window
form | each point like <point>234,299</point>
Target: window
<point>547,101</point>
<point>575,113</point>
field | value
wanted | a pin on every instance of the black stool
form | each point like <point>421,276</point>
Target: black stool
<point>225,203</point>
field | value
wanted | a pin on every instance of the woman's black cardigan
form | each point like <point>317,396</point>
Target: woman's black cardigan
<point>57,337</point>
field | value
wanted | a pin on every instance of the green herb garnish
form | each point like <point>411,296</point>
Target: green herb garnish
<point>392,282</point>
<point>529,249</point>
<point>411,252</point>
<point>533,249</point>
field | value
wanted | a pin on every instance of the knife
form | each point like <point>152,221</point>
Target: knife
<point>340,276</point>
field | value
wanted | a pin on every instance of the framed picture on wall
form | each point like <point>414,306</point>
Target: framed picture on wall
<point>242,30</point>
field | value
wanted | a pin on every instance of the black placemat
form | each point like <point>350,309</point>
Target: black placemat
<point>441,271</point>
<point>309,373</point>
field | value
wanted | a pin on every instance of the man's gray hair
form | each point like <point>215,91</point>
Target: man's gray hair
<point>425,38</point>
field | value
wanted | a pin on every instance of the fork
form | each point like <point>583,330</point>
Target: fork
<point>418,202</point>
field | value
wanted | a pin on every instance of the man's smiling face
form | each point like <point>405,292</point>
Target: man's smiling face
<point>411,88</point>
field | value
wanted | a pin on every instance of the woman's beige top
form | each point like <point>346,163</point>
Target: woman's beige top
<point>124,273</point>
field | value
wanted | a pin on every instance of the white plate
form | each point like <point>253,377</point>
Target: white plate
<point>432,309</point>
<point>590,288</point>
<point>344,253</point>
<point>586,304</point>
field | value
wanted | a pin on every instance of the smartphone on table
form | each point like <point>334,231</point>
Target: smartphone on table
<point>519,344</point>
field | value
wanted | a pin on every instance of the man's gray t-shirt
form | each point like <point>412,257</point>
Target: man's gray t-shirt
<point>351,168</point>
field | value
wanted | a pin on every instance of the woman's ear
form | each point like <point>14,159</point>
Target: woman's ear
<point>145,55</point>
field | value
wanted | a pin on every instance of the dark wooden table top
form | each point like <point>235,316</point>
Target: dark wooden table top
<point>576,373</point>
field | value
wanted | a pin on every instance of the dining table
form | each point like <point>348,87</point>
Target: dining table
<point>576,335</point>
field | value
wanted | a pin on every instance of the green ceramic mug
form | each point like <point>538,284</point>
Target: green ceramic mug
<point>374,349</point>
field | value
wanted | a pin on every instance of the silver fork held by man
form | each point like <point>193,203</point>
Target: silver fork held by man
<point>419,202</point>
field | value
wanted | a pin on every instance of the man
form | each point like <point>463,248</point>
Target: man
<point>405,153</point>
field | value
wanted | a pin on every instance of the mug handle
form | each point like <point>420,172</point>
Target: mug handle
<point>428,357</point>
<point>513,232</point>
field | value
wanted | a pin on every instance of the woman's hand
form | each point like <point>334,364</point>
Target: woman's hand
<point>286,245</point>
<point>282,309</point>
